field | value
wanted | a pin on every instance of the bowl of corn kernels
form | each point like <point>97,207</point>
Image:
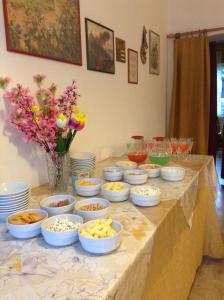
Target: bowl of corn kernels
<point>100,236</point>
<point>116,191</point>
<point>92,208</point>
<point>88,186</point>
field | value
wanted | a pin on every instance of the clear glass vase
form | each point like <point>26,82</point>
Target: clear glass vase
<point>58,171</point>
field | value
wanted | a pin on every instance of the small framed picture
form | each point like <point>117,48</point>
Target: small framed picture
<point>120,50</point>
<point>40,28</point>
<point>132,66</point>
<point>154,52</point>
<point>99,47</point>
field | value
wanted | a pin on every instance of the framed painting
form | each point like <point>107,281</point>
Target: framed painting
<point>154,52</point>
<point>99,47</point>
<point>120,50</point>
<point>48,29</point>
<point>132,66</point>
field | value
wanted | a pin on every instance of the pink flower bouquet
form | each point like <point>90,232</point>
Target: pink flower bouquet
<point>49,121</point>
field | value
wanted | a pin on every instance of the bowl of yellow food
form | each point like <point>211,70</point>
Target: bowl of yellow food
<point>88,186</point>
<point>27,223</point>
<point>153,170</point>
<point>116,191</point>
<point>100,236</point>
<point>126,164</point>
<point>92,208</point>
<point>135,176</point>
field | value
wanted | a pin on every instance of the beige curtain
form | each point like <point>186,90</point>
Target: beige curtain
<point>189,115</point>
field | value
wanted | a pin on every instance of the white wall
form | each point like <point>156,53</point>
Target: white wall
<point>115,109</point>
<point>187,16</point>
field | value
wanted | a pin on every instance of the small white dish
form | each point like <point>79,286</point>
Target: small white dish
<point>101,245</point>
<point>116,195</point>
<point>113,173</point>
<point>26,231</point>
<point>153,170</point>
<point>88,190</point>
<point>52,211</point>
<point>126,164</point>
<point>64,238</point>
<point>135,176</point>
<point>173,173</point>
<point>92,215</point>
<point>150,195</point>
<point>12,188</point>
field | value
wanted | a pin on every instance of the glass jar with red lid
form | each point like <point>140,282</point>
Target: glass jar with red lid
<point>137,149</point>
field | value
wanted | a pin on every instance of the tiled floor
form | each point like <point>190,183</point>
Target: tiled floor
<point>209,281</point>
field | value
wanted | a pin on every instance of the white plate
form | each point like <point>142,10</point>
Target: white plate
<point>82,155</point>
<point>12,188</point>
<point>13,201</point>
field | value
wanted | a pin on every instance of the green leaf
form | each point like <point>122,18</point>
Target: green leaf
<point>61,144</point>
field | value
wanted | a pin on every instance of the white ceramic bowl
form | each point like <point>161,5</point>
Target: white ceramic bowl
<point>60,238</point>
<point>116,195</point>
<point>91,190</point>
<point>135,176</point>
<point>52,211</point>
<point>101,245</point>
<point>172,173</point>
<point>29,230</point>
<point>145,200</point>
<point>113,173</point>
<point>126,164</point>
<point>92,215</point>
<point>152,173</point>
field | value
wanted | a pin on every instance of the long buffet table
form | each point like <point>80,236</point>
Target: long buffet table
<point>161,249</point>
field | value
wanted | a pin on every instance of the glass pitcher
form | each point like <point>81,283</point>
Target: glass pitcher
<point>160,152</point>
<point>137,149</point>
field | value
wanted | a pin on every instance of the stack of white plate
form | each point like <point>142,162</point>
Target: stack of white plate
<point>82,161</point>
<point>14,196</point>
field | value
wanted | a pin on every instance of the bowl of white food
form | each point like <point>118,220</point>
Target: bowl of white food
<point>145,195</point>
<point>61,230</point>
<point>173,173</point>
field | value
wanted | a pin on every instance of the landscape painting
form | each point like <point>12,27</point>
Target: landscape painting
<point>49,29</point>
<point>99,47</point>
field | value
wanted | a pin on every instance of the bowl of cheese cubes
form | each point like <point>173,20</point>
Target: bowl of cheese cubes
<point>92,208</point>
<point>88,186</point>
<point>61,230</point>
<point>145,195</point>
<point>115,191</point>
<point>100,236</point>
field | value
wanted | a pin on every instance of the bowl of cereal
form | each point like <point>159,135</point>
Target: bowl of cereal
<point>92,208</point>
<point>153,170</point>
<point>113,173</point>
<point>100,236</point>
<point>146,195</point>
<point>135,176</point>
<point>88,186</point>
<point>58,204</point>
<point>26,224</point>
<point>61,230</point>
<point>115,191</point>
<point>126,164</point>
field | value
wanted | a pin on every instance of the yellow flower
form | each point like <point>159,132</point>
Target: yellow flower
<point>75,110</point>
<point>81,117</point>
<point>61,117</point>
<point>35,108</point>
